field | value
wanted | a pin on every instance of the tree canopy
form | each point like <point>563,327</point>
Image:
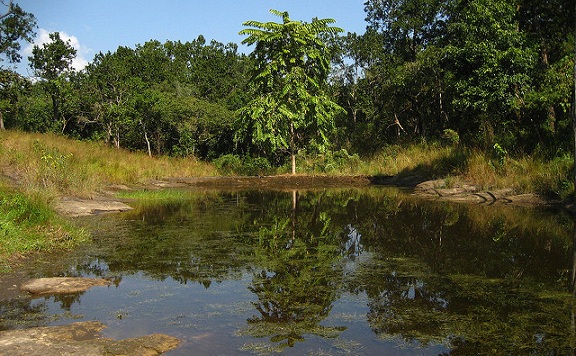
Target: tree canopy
<point>488,72</point>
<point>15,25</point>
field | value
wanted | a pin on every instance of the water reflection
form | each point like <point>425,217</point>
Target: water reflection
<point>436,277</point>
<point>299,270</point>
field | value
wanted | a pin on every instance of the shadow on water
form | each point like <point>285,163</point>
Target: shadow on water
<point>330,271</point>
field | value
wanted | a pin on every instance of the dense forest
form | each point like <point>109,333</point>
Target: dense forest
<point>480,73</point>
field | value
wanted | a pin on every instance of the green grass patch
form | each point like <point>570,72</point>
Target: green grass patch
<point>28,224</point>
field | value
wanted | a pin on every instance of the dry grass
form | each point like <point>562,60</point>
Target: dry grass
<point>52,163</point>
<point>527,174</point>
<point>63,166</point>
<point>429,161</point>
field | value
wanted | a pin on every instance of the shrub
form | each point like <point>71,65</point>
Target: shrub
<point>451,137</point>
<point>228,164</point>
<point>234,164</point>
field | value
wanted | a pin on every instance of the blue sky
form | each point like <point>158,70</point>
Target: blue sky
<point>100,26</point>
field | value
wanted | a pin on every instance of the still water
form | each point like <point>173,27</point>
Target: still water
<point>322,272</point>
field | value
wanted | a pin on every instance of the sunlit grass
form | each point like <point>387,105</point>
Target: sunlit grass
<point>35,169</point>
<point>64,166</point>
<point>525,174</point>
<point>28,224</point>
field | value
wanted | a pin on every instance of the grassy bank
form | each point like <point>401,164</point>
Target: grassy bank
<point>29,224</point>
<point>492,169</point>
<point>58,165</point>
<point>37,168</point>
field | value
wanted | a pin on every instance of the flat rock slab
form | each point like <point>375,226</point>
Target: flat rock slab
<point>83,207</point>
<point>469,193</point>
<point>82,338</point>
<point>62,285</point>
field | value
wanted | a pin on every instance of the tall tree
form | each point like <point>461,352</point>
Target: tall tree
<point>400,58</point>
<point>291,108</point>
<point>12,85</point>
<point>50,62</point>
<point>112,82</point>
<point>15,25</point>
<point>490,64</point>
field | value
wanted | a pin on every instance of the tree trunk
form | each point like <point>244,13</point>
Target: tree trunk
<point>292,148</point>
<point>56,110</point>
<point>117,138</point>
<point>2,121</point>
<point>574,105</point>
<point>146,138</point>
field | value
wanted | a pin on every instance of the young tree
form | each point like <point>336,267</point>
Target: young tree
<point>291,107</point>
<point>49,62</point>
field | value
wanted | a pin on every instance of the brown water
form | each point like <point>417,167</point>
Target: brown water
<point>325,272</point>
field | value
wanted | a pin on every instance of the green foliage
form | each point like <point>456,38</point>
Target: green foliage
<point>499,154</point>
<point>291,108</point>
<point>50,62</point>
<point>234,164</point>
<point>167,98</point>
<point>27,223</point>
<point>451,137</point>
<point>492,70</point>
<point>37,114</point>
<point>53,58</point>
<point>330,162</point>
<point>15,25</point>
<point>228,164</point>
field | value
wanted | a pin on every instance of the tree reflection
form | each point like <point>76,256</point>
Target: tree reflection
<point>300,256</point>
<point>472,279</point>
<point>476,281</point>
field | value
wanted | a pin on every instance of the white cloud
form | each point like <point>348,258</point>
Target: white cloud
<point>82,52</point>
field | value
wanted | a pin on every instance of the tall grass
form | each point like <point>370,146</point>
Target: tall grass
<point>425,160</point>
<point>526,174</point>
<point>28,224</point>
<point>37,168</point>
<point>550,177</point>
<point>57,165</point>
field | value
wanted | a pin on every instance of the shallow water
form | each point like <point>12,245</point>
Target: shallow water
<point>335,271</point>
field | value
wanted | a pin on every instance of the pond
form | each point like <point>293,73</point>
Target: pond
<point>321,272</point>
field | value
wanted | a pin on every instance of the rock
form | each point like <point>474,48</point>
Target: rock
<point>82,338</point>
<point>62,285</point>
<point>468,193</point>
<point>83,207</point>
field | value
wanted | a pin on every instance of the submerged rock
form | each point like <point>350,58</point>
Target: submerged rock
<point>62,285</point>
<point>82,338</point>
